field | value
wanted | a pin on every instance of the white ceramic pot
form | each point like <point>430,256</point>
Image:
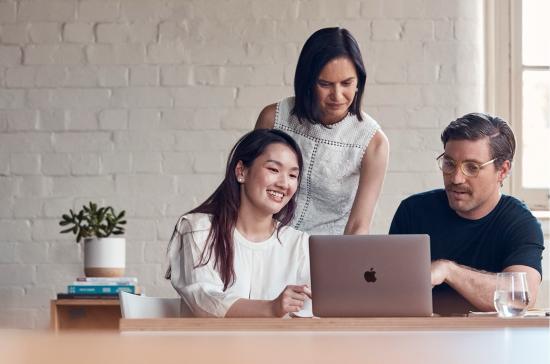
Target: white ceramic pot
<point>104,257</point>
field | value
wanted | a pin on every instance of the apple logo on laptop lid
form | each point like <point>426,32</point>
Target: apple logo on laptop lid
<point>370,275</point>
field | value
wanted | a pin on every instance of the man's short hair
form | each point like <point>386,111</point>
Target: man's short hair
<point>475,126</point>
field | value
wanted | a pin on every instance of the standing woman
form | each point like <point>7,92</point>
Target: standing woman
<point>234,256</point>
<point>345,151</point>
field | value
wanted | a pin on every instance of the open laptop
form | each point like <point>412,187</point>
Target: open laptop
<point>370,275</point>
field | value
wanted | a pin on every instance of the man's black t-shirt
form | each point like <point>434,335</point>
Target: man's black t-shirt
<point>508,235</point>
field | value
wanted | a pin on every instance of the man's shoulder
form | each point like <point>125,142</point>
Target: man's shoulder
<point>427,197</point>
<point>420,213</point>
<point>512,202</point>
<point>514,211</point>
<point>424,205</point>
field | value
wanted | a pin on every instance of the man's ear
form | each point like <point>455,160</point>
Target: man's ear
<point>504,171</point>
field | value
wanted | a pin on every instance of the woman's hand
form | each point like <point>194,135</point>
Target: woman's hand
<point>291,299</point>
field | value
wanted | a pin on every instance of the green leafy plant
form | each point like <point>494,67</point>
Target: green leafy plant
<point>94,222</point>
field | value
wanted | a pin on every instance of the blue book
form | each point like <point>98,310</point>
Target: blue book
<point>101,289</point>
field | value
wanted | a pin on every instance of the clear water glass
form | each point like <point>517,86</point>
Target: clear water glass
<point>511,294</point>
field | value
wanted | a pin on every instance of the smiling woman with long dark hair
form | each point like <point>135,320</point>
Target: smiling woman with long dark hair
<point>234,255</point>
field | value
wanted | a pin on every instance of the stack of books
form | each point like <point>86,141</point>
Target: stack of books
<point>100,287</point>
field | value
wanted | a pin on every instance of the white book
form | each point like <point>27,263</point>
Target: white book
<point>116,280</point>
<point>104,283</point>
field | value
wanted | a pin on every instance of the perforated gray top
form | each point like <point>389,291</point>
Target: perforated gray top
<point>332,163</point>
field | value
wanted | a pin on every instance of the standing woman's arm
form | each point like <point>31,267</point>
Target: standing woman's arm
<point>266,119</point>
<point>373,171</point>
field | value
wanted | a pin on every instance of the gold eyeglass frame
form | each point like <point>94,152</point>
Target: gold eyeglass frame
<point>460,164</point>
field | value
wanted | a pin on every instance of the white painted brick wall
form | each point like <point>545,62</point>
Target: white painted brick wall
<point>54,54</point>
<point>36,11</point>
<point>78,32</point>
<point>113,76</point>
<point>113,119</point>
<point>77,76</point>
<point>135,103</point>
<point>45,32</point>
<point>144,119</point>
<point>108,54</point>
<point>97,11</point>
<point>20,77</point>
<point>144,75</point>
<point>27,208</point>
<point>8,11</point>
<point>21,119</point>
<point>24,163</point>
<point>10,55</point>
<point>56,164</point>
<point>177,75</point>
<point>14,33</point>
<point>142,97</point>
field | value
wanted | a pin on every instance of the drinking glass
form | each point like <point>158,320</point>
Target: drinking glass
<point>511,294</point>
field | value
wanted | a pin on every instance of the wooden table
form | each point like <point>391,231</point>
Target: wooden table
<point>328,324</point>
<point>84,314</point>
<point>267,345</point>
<point>411,340</point>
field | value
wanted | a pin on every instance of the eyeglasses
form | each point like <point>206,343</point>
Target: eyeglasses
<point>468,168</point>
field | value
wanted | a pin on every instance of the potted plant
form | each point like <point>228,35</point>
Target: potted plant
<point>104,256</point>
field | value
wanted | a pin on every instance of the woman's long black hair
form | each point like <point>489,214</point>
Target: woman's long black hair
<point>223,204</point>
<point>322,47</point>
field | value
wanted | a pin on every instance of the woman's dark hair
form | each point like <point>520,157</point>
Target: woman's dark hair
<point>475,126</point>
<point>223,204</point>
<point>322,47</point>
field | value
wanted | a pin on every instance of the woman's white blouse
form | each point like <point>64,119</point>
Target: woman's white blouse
<point>262,269</point>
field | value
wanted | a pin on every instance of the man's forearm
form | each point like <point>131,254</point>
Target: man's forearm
<point>476,286</point>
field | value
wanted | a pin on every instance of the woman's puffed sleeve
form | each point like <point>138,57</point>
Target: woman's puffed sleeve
<point>200,286</point>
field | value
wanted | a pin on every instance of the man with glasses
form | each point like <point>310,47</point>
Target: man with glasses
<point>475,231</point>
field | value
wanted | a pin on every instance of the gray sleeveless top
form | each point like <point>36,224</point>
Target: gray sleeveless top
<point>332,163</point>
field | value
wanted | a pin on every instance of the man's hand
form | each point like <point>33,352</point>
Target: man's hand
<point>440,271</point>
<point>478,286</point>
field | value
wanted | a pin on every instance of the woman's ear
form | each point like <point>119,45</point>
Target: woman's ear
<point>240,172</point>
